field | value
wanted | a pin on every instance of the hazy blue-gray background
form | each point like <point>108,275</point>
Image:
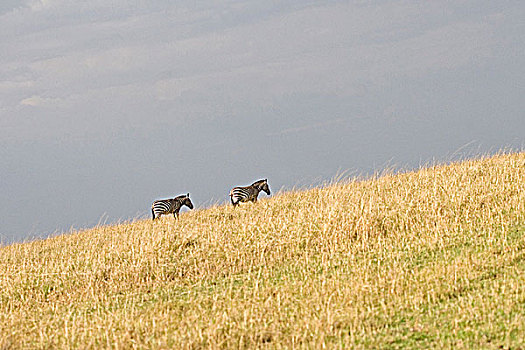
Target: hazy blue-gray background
<point>107,105</point>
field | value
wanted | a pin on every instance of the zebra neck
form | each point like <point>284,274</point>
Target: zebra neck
<point>177,203</point>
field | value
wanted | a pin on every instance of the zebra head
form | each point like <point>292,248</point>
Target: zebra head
<point>262,185</point>
<point>187,201</point>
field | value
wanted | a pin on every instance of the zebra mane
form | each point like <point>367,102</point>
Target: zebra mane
<point>259,183</point>
<point>182,197</point>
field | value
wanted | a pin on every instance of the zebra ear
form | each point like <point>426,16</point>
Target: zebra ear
<point>265,180</point>
<point>188,195</point>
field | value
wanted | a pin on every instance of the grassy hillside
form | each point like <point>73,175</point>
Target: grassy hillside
<point>433,258</point>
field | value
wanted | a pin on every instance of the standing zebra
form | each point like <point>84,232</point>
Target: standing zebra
<point>249,193</point>
<point>170,206</point>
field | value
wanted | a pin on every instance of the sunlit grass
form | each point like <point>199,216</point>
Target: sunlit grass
<point>432,258</point>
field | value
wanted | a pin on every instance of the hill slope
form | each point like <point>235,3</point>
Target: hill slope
<point>433,258</point>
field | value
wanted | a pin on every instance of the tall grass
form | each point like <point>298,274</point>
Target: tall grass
<point>431,258</point>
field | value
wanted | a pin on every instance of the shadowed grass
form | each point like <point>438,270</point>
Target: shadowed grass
<point>432,258</point>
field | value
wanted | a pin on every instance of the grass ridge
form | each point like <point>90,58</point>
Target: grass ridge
<point>432,258</point>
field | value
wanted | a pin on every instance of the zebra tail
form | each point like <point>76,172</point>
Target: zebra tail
<point>231,198</point>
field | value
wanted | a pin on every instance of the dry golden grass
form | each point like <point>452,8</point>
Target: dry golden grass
<point>432,258</point>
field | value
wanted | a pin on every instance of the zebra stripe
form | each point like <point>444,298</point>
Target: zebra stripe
<point>239,195</point>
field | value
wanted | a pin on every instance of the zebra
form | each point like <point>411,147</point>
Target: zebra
<point>170,206</point>
<point>249,193</point>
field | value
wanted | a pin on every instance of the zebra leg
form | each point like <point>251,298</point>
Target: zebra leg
<point>176,214</point>
<point>153,213</point>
